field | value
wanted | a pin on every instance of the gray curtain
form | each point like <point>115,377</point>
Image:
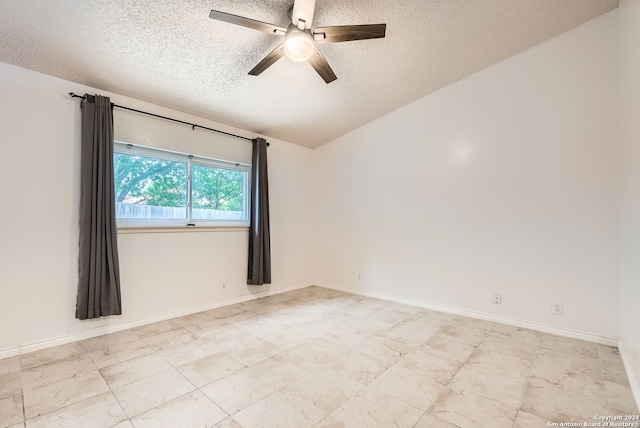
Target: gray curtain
<point>98,268</point>
<point>259,235</point>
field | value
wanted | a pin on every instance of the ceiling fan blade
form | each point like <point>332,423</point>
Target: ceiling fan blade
<point>319,62</point>
<point>348,33</point>
<point>268,60</point>
<point>303,9</point>
<point>246,22</point>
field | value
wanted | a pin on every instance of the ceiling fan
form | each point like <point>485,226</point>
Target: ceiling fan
<point>301,42</point>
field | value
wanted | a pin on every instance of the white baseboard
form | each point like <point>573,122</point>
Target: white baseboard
<point>633,379</point>
<point>545,328</point>
<point>112,328</point>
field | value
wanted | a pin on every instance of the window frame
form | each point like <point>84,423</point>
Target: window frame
<point>124,148</point>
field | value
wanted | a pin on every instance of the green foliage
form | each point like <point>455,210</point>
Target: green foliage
<point>150,181</point>
<point>216,188</point>
<point>160,182</point>
<point>168,188</point>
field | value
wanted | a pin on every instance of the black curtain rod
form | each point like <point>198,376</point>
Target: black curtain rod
<point>192,125</point>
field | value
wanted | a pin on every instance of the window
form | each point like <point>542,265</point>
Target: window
<point>161,188</point>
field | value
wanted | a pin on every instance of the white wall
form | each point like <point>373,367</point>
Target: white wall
<point>505,181</point>
<point>629,89</point>
<point>161,273</point>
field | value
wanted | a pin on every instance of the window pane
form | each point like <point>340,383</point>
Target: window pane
<point>217,193</point>
<point>150,188</point>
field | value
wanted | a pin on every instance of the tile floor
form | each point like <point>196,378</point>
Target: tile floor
<point>315,358</point>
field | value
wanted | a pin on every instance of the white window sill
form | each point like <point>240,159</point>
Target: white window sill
<point>181,229</point>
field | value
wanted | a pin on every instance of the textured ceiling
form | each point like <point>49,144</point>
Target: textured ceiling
<point>170,53</point>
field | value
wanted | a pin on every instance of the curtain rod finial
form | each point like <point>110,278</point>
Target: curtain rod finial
<point>73,95</point>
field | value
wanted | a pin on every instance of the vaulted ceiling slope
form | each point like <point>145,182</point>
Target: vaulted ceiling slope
<point>170,53</point>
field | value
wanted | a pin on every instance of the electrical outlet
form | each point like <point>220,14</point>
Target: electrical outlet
<point>496,299</point>
<point>223,286</point>
<point>556,308</point>
<point>359,277</point>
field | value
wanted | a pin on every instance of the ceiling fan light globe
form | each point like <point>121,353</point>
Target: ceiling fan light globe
<point>299,47</point>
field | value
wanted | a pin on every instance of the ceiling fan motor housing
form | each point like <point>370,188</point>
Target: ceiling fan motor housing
<point>298,45</point>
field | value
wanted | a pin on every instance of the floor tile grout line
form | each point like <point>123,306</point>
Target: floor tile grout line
<point>496,370</point>
<point>115,398</point>
<point>47,384</point>
<point>196,388</point>
<point>604,382</point>
<point>453,387</point>
<point>526,384</point>
<point>426,412</point>
<point>24,409</point>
